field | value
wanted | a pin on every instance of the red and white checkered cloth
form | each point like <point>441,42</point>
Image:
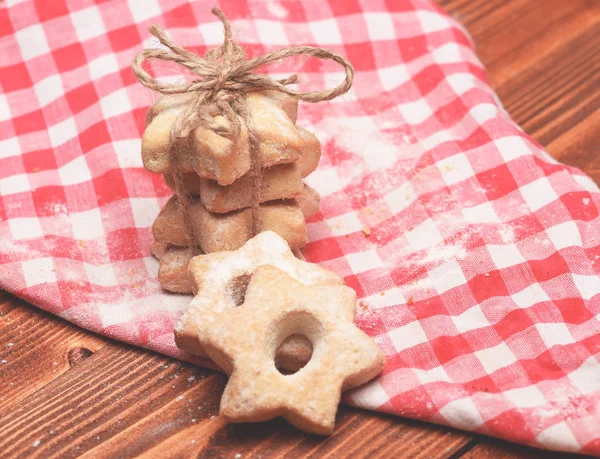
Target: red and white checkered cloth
<point>474,254</point>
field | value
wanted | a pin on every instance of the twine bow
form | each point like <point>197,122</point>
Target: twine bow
<point>226,76</point>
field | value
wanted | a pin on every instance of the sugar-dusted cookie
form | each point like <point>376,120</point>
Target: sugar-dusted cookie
<point>244,340</point>
<point>220,280</point>
<point>173,276</point>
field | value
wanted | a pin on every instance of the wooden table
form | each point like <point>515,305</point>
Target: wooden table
<point>67,392</point>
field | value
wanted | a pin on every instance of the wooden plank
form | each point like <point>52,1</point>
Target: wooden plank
<point>105,394</point>
<point>123,402</point>
<point>498,449</point>
<point>560,91</point>
<point>34,349</point>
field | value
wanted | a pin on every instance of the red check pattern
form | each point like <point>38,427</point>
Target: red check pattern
<point>474,254</point>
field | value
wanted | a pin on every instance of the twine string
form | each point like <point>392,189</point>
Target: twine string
<point>225,76</point>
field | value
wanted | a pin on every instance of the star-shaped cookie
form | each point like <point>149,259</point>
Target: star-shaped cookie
<point>220,279</point>
<point>243,341</point>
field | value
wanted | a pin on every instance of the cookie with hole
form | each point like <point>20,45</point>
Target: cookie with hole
<point>219,282</point>
<point>244,342</point>
<point>174,277</point>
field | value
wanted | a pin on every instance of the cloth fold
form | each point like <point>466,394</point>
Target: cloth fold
<point>473,252</point>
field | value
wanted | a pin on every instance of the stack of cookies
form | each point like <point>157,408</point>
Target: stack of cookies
<point>215,168</point>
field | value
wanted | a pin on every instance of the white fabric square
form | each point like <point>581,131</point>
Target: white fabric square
<point>144,10</point>
<point>112,314</point>
<point>482,213</point>
<point>62,132</point>
<point>586,182</point>
<point>363,261</point>
<point>559,437</point>
<point>327,181</point>
<point>525,397</point>
<point>423,236</point>
<point>415,112</point>
<point>588,286</point>
<point>271,33</point>
<point>436,139</point>
<point>434,375</point>
<point>529,296</point>
<point>461,82</point>
<point>325,32</point>
<point>455,168</point>
<point>212,34</point>
<point>554,334</point>
<point>400,198</point>
<point>144,211</point>
<point>88,23</point>
<point>104,65</point>
<point>115,104</point>
<point>380,26</point>
<point>370,395</point>
<point>103,275</point>
<point>393,77</point>
<point>587,377</point>
<point>38,271</point>
<point>344,224</point>
<point>512,147</point>
<point>87,225</point>
<point>128,153</point>
<point>32,41</point>
<point>462,414</point>
<point>538,193</point>
<point>9,147</point>
<point>4,108</point>
<point>25,228</point>
<point>472,319</point>
<point>447,53</point>
<point>408,336</point>
<point>49,89</point>
<point>565,235</point>
<point>14,184</point>
<point>447,276</point>
<point>484,112</point>
<point>392,297</point>
<point>75,171</point>
<point>432,21</point>
<point>505,255</point>
<point>496,357</point>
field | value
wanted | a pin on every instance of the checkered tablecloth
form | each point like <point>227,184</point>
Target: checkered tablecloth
<point>474,254</point>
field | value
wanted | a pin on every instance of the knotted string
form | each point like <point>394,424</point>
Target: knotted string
<point>226,76</point>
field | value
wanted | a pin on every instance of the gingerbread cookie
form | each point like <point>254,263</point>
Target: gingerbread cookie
<point>220,280</point>
<point>244,340</point>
